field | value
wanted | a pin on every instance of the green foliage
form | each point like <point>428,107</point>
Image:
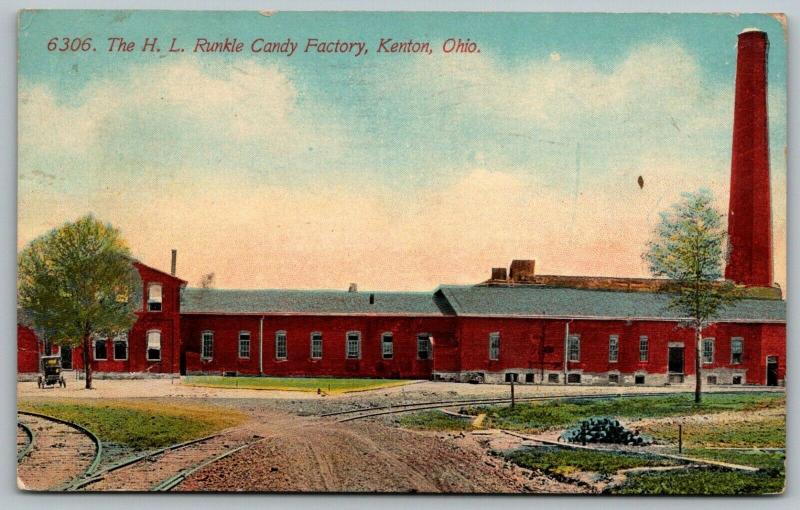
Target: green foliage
<point>564,460</point>
<point>77,282</point>
<point>688,248</point>
<point>140,425</point>
<point>701,481</point>
<point>326,384</point>
<point>751,431</point>
<point>433,420</point>
<point>770,461</point>
<point>539,416</point>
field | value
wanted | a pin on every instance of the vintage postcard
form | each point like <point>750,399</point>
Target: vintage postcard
<point>383,252</point>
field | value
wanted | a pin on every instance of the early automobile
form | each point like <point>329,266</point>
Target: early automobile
<point>51,372</point>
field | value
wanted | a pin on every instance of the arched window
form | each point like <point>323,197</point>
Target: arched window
<point>154,297</point>
<point>154,345</point>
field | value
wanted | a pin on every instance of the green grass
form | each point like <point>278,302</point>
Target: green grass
<point>433,420</point>
<point>540,416</point>
<point>309,384</point>
<point>137,424</point>
<point>749,432</point>
<point>564,461</point>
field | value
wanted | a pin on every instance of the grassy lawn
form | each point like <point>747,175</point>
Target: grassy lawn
<point>139,425</point>
<point>433,420</point>
<point>710,482</point>
<point>564,461</point>
<point>312,384</point>
<point>540,416</point>
<point>749,432</point>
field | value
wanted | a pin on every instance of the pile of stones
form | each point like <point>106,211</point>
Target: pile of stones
<point>604,430</point>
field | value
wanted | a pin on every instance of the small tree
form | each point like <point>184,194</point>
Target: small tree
<point>689,249</point>
<point>78,283</point>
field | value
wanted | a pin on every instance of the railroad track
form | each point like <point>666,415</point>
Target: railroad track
<point>358,414</point>
<point>58,452</point>
<point>25,441</point>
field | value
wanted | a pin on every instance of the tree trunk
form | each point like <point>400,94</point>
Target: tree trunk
<point>87,363</point>
<point>698,380</point>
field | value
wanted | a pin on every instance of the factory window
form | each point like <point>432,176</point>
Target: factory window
<point>574,348</point>
<point>737,379</point>
<point>708,350</point>
<point>280,344</point>
<point>613,348</point>
<point>613,378</point>
<point>737,348</point>
<point>154,345</point>
<point>511,377</point>
<point>353,345</point>
<point>154,297</point>
<point>316,345</point>
<point>244,344</point>
<point>423,346</point>
<point>387,345</point>
<point>711,379</point>
<point>207,345</point>
<point>494,345</point>
<point>101,348</point>
<point>644,348</point>
<point>528,378</point>
<point>121,347</point>
<point>574,378</point>
<point>552,378</point>
<point>638,379</point>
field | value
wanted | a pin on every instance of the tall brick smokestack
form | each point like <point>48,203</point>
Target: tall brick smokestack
<point>749,210</point>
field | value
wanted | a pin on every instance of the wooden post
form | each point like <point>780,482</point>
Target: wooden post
<point>680,438</point>
<point>513,401</point>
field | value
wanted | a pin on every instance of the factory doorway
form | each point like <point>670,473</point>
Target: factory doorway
<point>66,357</point>
<point>675,364</point>
<point>772,370</point>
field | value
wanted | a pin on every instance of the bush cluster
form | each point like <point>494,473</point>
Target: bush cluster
<point>604,430</point>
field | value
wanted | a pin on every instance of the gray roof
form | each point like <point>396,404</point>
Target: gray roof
<point>534,301</point>
<point>322,302</point>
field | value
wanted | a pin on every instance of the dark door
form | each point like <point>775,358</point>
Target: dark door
<point>676,360</point>
<point>772,370</point>
<point>66,357</point>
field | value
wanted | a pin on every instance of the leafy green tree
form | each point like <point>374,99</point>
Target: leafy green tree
<point>78,283</point>
<point>688,248</point>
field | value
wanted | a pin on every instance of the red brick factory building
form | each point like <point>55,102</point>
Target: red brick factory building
<point>539,329</point>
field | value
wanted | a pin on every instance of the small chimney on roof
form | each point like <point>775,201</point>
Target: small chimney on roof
<point>522,270</point>
<point>353,288</point>
<point>174,266</point>
<point>499,273</point>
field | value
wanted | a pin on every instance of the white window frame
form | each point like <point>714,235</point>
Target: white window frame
<point>281,344</point>
<point>494,345</point>
<point>737,340</point>
<point>207,335</point>
<point>245,341</point>
<point>317,340</point>
<point>150,299</point>
<point>708,359</point>
<point>122,338</point>
<point>644,348</point>
<point>94,349</point>
<point>613,348</point>
<point>389,344</point>
<point>147,339</point>
<point>574,346</point>
<point>347,342</point>
<point>426,337</point>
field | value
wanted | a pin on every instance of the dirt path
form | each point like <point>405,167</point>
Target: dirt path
<point>322,455</point>
<point>59,454</point>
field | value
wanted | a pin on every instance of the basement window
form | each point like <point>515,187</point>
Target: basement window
<point>552,378</point>
<point>708,350</point>
<point>639,379</point>
<point>244,344</point>
<point>121,347</point>
<point>353,345</point>
<point>387,345</point>
<point>737,379</point>
<point>613,378</point>
<point>574,378</point>
<point>207,345</point>
<point>154,297</point>
<point>154,345</point>
<point>280,345</point>
<point>316,345</point>
<point>737,348</point>
<point>711,379</point>
<point>101,349</point>
<point>528,378</point>
<point>423,346</point>
<point>494,346</point>
<point>511,377</point>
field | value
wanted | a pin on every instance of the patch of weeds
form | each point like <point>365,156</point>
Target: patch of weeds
<point>554,460</point>
<point>700,481</point>
<point>751,431</point>
<point>433,420</point>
